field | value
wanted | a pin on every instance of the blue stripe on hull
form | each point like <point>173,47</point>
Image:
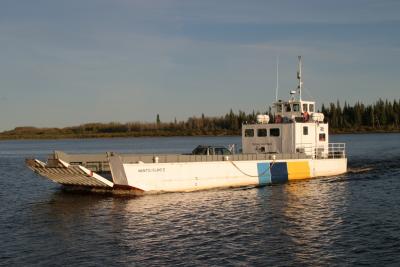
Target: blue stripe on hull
<point>279,172</point>
<point>264,173</point>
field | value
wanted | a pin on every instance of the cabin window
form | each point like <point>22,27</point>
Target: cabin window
<point>249,133</point>
<point>279,108</point>
<point>287,107</point>
<point>296,107</point>
<point>305,109</point>
<point>305,130</point>
<point>262,132</point>
<point>311,107</point>
<point>322,137</point>
<point>274,132</point>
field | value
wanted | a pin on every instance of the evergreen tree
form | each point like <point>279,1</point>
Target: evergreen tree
<point>158,121</point>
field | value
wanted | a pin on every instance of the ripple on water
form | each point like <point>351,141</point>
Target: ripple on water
<point>344,220</point>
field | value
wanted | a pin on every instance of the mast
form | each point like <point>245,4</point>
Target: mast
<point>299,77</point>
<point>277,78</point>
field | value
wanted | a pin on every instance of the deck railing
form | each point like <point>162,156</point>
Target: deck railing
<point>333,150</point>
<point>99,162</point>
<point>336,150</point>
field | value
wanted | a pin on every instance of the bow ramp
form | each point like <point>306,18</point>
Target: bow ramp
<point>63,173</point>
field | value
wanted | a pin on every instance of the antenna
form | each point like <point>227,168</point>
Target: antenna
<point>277,78</point>
<point>299,77</point>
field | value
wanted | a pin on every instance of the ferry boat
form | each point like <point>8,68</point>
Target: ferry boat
<point>292,145</point>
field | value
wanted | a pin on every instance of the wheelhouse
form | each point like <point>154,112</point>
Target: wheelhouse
<point>296,128</point>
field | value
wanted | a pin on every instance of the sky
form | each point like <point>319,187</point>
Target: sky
<point>69,62</point>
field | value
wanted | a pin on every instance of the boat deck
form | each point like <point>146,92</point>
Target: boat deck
<point>99,162</point>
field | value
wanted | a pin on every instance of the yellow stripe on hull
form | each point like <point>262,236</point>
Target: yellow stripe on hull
<point>298,170</point>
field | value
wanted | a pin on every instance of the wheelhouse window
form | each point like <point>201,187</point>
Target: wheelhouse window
<point>287,107</point>
<point>262,132</point>
<point>322,137</point>
<point>305,130</point>
<point>311,107</point>
<point>305,109</point>
<point>274,132</point>
<point>296,107</point>
<point>279,108</point>
<point>249,133</point>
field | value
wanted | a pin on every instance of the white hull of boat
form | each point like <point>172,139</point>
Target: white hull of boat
<point>192,176</point>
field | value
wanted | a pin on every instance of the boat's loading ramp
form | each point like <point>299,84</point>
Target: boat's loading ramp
<point>64,173</point>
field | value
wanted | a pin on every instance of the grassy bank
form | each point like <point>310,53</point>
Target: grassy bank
<point>44,133</point>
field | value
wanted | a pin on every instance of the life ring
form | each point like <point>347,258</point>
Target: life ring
<point>278,119</point>
<point>306,116</point>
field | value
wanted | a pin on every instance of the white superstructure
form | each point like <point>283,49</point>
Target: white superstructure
<point>297,128</point>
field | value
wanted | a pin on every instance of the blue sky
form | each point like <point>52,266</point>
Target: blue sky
<point>69,62</point>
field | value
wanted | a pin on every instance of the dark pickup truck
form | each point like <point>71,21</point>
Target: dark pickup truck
<point>211,150</point>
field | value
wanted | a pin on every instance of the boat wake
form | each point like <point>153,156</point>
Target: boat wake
<point>371,165</point>
<point>360,170</point>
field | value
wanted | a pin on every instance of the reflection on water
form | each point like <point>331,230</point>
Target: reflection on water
<point>295,220</point>
<point>313,214</point>
<point>344,220</point>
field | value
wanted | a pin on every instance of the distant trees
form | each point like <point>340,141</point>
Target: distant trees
<point>380,116</point>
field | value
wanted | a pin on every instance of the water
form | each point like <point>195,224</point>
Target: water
<point>353,219</point>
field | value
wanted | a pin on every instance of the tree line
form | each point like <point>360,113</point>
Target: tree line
<point>379,116</point>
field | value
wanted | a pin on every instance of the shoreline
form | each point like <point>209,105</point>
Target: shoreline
<point>117,135</point>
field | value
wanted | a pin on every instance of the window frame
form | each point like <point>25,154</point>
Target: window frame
<point>272,130</point>
<point>305,130</point>
<point>262,129</point>
<point>246,131</point>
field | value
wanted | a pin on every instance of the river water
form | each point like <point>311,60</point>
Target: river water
<point>352,219</point>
